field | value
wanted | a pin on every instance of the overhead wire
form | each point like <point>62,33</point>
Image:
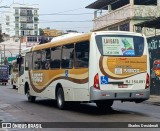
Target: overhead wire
<point>66,14</point>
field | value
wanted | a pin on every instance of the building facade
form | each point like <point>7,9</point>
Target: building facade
<point>30,41</point>
<point>21,20</point>
<point>12,46</point>
<point>52,32</point>
<point>123,14</point>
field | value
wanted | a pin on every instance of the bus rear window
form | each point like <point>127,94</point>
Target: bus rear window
<point>120,45</point>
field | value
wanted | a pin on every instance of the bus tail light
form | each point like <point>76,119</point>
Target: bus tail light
<point>147,81</point>
<point>96,82</point>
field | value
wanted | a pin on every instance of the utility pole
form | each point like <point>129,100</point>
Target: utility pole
<point>4,52</point>
<point>20,45</point>
<point>1,54</point>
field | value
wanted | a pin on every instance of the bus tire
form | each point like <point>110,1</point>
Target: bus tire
<point>30,97</point>
<point>14,87</point>
<point>60,99</point>
<point>104,104</point>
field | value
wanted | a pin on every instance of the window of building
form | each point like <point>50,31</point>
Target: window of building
<point>28,61</point>
<point>55,57</point>
<point>23,12</point>
<point>23,19</point>
<point>28,32</point>
<point>29,26</point>
<point>29,19</point>
<point>7,18</point>
<point>113,28</point>
<point>16,25</point>
<point>36,19</point>
<point>67,56</point>
<point>7,23</point>
<point>124,27</point>
<point>35,32</point>
<point>16,11</point>
<point>82,54</point>
<point>35,26</point>
<point>17,19</point>
<point>23,26</point>
<point>46,59</point>
<point>22,33</point>
<point>37,58</point>
<point>29,12</point>
<point>32,39</point>
<point>35,12</point>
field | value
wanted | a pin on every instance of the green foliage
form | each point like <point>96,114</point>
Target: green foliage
<point>1,38</point>
<point>41,32</point>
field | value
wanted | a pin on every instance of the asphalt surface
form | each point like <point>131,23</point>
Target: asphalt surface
<point>14,107</point>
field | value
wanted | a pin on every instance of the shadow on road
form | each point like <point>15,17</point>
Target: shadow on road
<point>90,108</point>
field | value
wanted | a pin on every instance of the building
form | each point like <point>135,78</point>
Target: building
<point>30,41</point>
<point>154,51</point>
<point>12,46</point>
<point>52,32</point>
<point>20,20</point>
<point>123,14</point>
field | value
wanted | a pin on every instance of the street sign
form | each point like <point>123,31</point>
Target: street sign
<point>10,59</point>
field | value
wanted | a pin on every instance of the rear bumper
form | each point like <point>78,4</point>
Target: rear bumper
<point>119,95</point>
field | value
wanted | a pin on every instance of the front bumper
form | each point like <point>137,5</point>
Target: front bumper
<point>130,95</point>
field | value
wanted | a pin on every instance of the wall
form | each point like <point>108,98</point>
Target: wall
<point>154,51</point>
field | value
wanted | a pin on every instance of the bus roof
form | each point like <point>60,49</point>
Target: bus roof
<point>73,38</point>
<point>66,40</point>
<point>118,32</point>
<point>65,36</point>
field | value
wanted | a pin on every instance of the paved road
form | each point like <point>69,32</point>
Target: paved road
<point>15,107</point>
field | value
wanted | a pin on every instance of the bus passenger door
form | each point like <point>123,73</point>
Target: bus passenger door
<point>21,76</point>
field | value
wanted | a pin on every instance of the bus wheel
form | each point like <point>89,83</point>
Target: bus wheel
<point>14,87</point>
<point>30,98</point>
<point>104,104</point>
<point>60,98</point>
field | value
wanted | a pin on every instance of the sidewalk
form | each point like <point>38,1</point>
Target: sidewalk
<point>153,100</point>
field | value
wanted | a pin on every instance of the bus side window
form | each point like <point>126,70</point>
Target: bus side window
<point>28,61</point>
<point>82,54</point>
<point>45,63</point>
<point>55,58</point>
<point>67,56</point>
<point>37,58</point>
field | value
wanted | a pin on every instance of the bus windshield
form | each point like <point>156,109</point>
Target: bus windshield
<point>120,45</point>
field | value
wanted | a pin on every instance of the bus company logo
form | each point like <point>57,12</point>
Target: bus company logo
<point>37,77</point>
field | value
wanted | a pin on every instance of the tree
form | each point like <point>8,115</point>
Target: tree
<point>41,32</point>
<point>1,37</point>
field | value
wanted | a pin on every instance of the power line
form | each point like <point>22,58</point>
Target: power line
<point>64,21</point>
<point>69,10</point>
<point>66,14</point>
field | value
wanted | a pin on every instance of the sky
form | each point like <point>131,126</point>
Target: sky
<point>74,10</point>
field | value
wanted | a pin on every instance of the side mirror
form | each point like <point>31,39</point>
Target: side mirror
<point>19,59</point>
